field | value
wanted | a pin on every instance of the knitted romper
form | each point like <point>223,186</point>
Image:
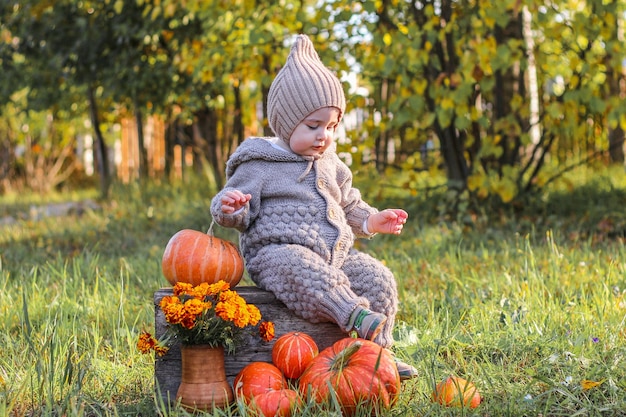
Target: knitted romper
<point>297,234</point>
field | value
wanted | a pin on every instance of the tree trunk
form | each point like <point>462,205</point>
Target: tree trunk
<point>452,150</point>
<point>143,156</point>
<point>102,159</point>
<point>533,84</point>
<point>265,89</point>
<point>617,84</point>
<point>509,81</point>
<point>208,142</point>
<point>616,145</point>
<point>238,128</point>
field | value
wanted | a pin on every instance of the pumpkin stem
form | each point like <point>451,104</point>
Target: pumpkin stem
<point>344,356</point>
<point>210,231</point>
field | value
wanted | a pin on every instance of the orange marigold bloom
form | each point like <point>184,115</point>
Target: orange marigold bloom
<point>241,313</point>
<point>266,330</point>
<point>172,309</point>
<point>169,300</point>
<point>225,311</point>
<point>242,317</point>
<point>194,307</point>
<point>188,322</point>
<point>255,314</point>
<point>227,295</point>
<point>181,288</point>
<point>200,291</point>
<point>161,350</point>
<point>146,342</point>
<point>218,287</point>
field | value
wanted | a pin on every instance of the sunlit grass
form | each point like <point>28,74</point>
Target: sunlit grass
<point>533,314</point>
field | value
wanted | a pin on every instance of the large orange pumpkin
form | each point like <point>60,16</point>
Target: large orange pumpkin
<point>275,403</point>
<point>292,353</point>
<point>257,378</point>
<point>195,257</point>
<point>360,372</point>
<point>453,389</point>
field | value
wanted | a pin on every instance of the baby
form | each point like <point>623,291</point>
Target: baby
<point>292,200</point>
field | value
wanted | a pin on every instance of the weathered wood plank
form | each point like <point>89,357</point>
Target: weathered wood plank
<point>167,368</point>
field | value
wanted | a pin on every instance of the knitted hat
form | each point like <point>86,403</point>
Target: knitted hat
<point>301,87</point>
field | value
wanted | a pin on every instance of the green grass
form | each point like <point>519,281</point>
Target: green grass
<point>527,303</point>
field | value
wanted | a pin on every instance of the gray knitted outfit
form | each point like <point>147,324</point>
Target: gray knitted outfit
<point>298,230</point>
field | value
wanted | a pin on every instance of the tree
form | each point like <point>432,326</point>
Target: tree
<point>456,72</point>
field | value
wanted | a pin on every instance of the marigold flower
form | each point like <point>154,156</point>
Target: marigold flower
<point>200,291</point>
<point>172,308</point>
<point>227,295</point>
<point>146,342</point>
<point>225,311</point>
<point>160,350</point>
<point>218,287</point>
<point>182,288</point>
<point>194,307</point>
<point>232,307</point>
<point>242,317</point>
<point>255,314</point>
<point>266,331</point>
<point>188,322</point>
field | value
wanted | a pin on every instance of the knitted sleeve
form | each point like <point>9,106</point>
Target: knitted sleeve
<point>247,178</point>
<point>356,210</point>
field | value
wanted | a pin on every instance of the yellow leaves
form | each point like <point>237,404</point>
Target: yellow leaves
<point>506,189</point>
<point>387,39</point>
<point>582,41</point>
<point>489,21</point>
<point>588,384</point>
<point>477,183</point>
<point>419,86</point>
<point>118,6</point>
<point>483,185</point>
<point>447,103</point>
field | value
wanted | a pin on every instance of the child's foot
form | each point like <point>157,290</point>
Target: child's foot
<point>367,323</point>
<point>405,370</point>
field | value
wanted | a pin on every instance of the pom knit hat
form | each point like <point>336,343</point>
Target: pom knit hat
<point>301,87</point>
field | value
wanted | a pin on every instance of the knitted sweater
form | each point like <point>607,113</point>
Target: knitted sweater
<point>301,200</point>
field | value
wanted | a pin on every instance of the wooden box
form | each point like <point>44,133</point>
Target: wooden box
<point>167,368</point>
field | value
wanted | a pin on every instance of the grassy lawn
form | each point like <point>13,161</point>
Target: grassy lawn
<point>529,304</point>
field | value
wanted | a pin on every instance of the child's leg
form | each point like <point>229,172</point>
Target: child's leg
<point>374,281</point>
<point>371,279</point>
<point>305,283</point>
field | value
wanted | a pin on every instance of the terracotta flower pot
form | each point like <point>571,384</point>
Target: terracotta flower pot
<point>203,384</point>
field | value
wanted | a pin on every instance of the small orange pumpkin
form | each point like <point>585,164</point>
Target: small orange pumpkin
<point>275,403</point>
<point>452,389</point>
<point>292,353</point>
<point>195,257</point>
<point>257,378</point>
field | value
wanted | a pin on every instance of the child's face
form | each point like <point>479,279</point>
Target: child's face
<point>315,133</point>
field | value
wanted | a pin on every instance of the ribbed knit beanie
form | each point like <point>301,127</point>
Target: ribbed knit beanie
<point>301,87</point>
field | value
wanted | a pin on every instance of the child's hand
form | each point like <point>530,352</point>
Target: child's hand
<point>390,221</point>
<point>233,201</point>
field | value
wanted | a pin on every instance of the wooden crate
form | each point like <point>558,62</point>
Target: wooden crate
<point>167,368</point>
